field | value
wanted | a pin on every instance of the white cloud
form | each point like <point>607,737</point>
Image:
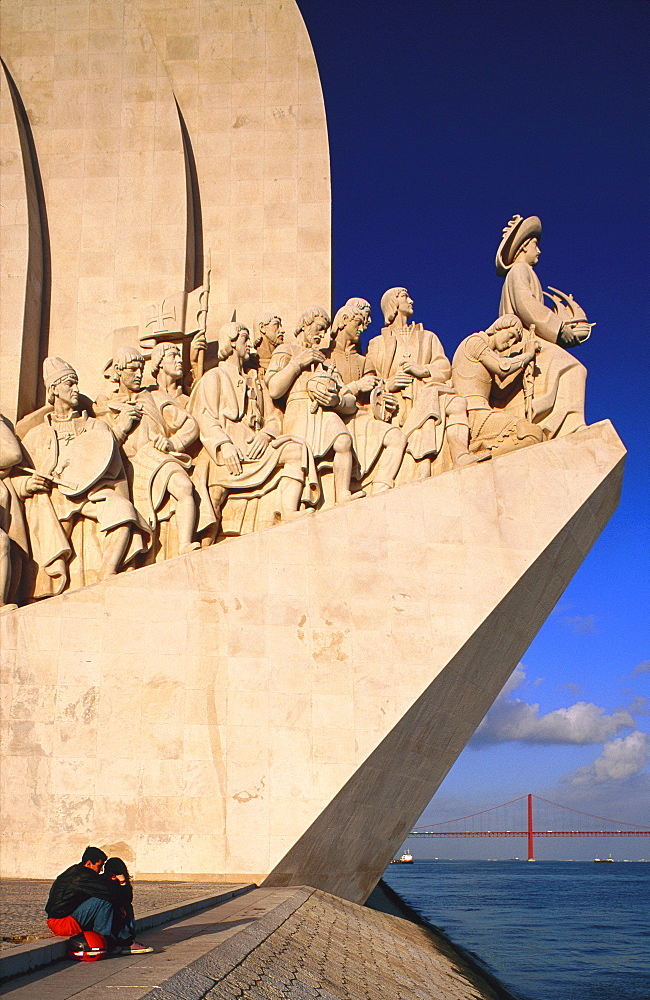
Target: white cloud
<point>621,759</point>
<point>580,624</point>
<point>516,679</point>
<point>641,668</point>
<point>515,720</point>
<point>625,799</point>
<point>640,705</point>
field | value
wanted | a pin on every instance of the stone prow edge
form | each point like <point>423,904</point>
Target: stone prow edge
<point>194,981</point>
<point>400,751</point>
<point>198,979</point>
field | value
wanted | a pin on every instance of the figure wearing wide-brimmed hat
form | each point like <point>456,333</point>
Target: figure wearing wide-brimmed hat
<point>560,381</point>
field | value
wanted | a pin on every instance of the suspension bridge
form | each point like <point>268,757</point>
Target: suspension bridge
<point>530,816</point>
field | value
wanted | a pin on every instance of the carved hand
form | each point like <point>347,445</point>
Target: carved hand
<point>328,400</point>
<point>130,415</point>
<point>232,457</point>
<point>399,381</point>
<point>417,371</point>
<point>366,383</point>
<point>258,445</point>
<point>390,402</point>
<point>37,484</point>
<point>161,443</point>
<point>198,343</point>
<point>573,334</point>
<point>309,356</point>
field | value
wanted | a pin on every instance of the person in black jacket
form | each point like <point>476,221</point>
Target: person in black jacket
<point>93,901</point>
<point>116,870</point>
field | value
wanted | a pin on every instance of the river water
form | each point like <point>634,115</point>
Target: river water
<point>552,930</point>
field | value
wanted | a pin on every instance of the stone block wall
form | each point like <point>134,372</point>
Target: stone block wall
<point>285,703</point>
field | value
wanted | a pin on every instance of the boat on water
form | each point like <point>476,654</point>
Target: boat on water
<point>405,859</point>
<point>600,861</point>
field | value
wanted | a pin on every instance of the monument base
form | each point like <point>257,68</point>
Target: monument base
<point>286,703</point>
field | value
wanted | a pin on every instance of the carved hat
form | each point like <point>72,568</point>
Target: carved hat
<point>55,369</point>
<point>515,234</point>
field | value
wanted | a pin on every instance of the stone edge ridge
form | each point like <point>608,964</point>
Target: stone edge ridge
<point>38,954</point>
<point>193,982</point>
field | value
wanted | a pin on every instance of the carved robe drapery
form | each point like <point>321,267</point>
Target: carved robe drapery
<point>560,383</point>
<point>317,426</point>
<point>421,412</point>
<point>231,407</point>
<point>368,432</point>
<point>52,448</point>
<point>149,469</point>
<point>494,430</point>
<point>13,530</point>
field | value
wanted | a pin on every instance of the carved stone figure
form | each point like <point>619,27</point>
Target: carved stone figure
<point>413,364</point>
<point>267,335</point>
<point>494,357</point>
<point>77,475</point>
<point>378,444</point>
<point>167,369</point>
<point>560,388</point>
<point>154,431</point>
<point>245,454</point>
<point>315,399</point>
<point>13,532</point>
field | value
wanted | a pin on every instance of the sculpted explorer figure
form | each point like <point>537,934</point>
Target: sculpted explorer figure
<point>267,335</point>
<point>245,454</point>
<point>172,403</point>
<point>315,399</point>
<point>14,546</point>
<point>560,389</point>
<point>154,431</point>
<point>78,475</point>
<point>378,444</point>
<point>413,365</point>
<point>496,357</point>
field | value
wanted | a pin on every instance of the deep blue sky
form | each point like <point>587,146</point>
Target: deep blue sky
<point>445,119</point>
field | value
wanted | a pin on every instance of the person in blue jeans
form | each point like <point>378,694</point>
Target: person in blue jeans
<point>95,902</point>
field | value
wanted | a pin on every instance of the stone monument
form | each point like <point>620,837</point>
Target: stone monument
<point>256,592</point>
<point>145,145</point>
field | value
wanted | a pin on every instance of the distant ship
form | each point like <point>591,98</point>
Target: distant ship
<point>601,861</point>
<point>405,859</point>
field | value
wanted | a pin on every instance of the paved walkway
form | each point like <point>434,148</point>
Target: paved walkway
<point>177,946</point>
<point>274,944</point>
<point>22,917</point>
